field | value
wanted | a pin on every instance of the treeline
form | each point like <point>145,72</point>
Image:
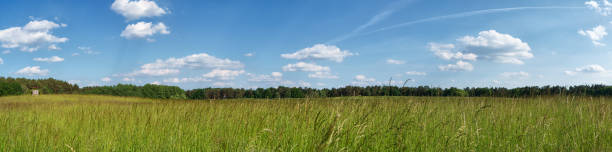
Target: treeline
<point>146,91</point>
<point>18,86</point>
<point>286,92</point>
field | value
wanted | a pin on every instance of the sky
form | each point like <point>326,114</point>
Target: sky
<point>308,43</point>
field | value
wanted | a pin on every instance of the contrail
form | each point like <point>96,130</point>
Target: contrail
<point>356,31</point>
<point>459,15</point>
<point>377,18</point>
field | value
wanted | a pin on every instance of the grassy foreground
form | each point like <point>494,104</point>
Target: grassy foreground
<point>103,123</point>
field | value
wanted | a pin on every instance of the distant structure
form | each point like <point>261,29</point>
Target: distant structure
<point>35,91</point>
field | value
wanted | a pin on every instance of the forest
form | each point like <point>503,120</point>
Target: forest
<point>17,86</point>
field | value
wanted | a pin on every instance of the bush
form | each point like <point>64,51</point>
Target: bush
<point>10,88</point>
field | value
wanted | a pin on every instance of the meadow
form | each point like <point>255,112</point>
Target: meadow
<point>107,123</point>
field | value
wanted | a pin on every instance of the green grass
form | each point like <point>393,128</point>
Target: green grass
<point>103,123</point>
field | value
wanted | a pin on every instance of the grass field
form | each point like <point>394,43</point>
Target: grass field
<point>103,123</point>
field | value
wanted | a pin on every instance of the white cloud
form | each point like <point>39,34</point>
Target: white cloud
<point>137,9</point>
<point>416,73</point>
<point>320,52</point>
<point>144,30</point>
<point>445,51</point>
<point>364,78</point>
<point>604,8</point>
<point>223,74</point>
<point>519,74</point>
<point>154,72</point>
<point>6,52</point>
<point>273,77</point>
<point>317,71</point>
<point>106,79</point>
<point>1,61</point>
<point>31,37</point>
<point>127,79</point>
<point>277,74</point>
<point>86,50</point>
<point>50,59</point>
<point>32,71</point>
<point>156,83</point>
<point>502,48</point>
<point>303,66</point>
<point>593,68</point>
<point>304,84</point>
<point>195,61</point>
<point>459,66</point>
<point>596,34</point>
<point>53,47</point>
<point>74,81</point>
<point>392,61</point>
<point>249,54</point>
<point>322,75</point>
<point>186,80</point>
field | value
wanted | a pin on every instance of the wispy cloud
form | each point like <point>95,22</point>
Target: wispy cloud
<point>467,14</point>
<point>377,18</point>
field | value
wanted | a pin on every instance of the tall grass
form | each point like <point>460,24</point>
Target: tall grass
<point>103,123</point>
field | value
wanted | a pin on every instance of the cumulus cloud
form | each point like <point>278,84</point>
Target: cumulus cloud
<point>53,47</point>
<point>186,80</point>
<point>416,73</point>
<point>593,68</point>
<point>459,66</point>
<point>33,71</point>
<point>322,75</point>
<point>320,52</point>
<point>195,61</point>
<point>392,61</point>
<point>446,52</point>
<point>361,77</point>
<point>249,54</point>
<point>154,72</point>
<point>273,77</point>
<point>488,45</point>
<point>303,66</point>
<point>596,34</point>
<point>362,80</point>
<point>31,37</point>
<point>50,59</point>
<point>519,74</point>
<point>137,9</point>
<point>317,71</point>
<point>604,8</point>
<point>276,74</point>
<point>106,79</point>
<point>304,84</point>
<point>502,48</point>
<point>1,61</point>
<point>144,30</point>
<point>127,79</point>
<point>223,74</point>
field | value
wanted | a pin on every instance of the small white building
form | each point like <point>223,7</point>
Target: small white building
<point>35,92</point>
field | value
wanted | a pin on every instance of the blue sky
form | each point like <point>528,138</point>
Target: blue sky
<point>320,44</point>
